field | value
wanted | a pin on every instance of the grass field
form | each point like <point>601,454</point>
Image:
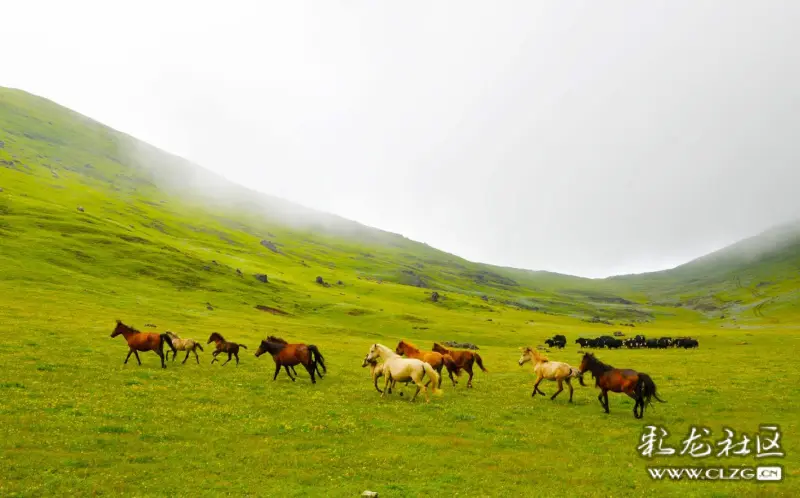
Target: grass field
<point>76,421</point>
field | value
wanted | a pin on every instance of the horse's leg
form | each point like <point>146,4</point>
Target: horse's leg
<point>160,354</point>
<point>195,356</point>
<point>236,354</point>
<point>386,384</point>
<point>130,352</point>
<point>605,397</point>
<point>137,357</point>
<point>230,355</point>
<point>277,370</point>
<point>439,371</point>
<point>600,399</point>
<point>560,388</point>
<point>214,354</point>
<point>468,368</point>
<point>569,384</point>
<point>310,369</point>
<point>184,360</point>
<point>286,367</point>
<point>536,389</point>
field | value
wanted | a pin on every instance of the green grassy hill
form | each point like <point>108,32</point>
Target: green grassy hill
<point>95,226</point>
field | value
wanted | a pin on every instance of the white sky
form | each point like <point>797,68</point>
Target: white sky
<point>590,138</point>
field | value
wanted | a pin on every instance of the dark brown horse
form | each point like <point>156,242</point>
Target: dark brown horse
<point>463,359</point>
<point>432,358</point>
<point>143,341</point>
<point>224,346</point>
<point>637,385</point>
<point>287,355</point>
<point>272,338</point>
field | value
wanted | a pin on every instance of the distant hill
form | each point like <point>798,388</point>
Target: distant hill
<point>84,201</point>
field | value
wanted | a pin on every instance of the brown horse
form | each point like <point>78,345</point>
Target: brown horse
<point>224,346</point>
<point>637,385</point>
<point>432,358</point>
<point>463,359</point>
<point>287,355</point>
<point>143,341</point>
<point>272,338</point>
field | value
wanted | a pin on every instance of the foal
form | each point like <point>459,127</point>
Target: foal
<point>188,345</point>
<point>286,355</point>
<point>143,341</point>
<point>224,346</point>
<point>637,385</point>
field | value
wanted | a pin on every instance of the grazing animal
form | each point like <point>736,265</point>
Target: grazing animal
<point>637,385</point>
<point>272,338</point>
<point>287,355</point>
<point>188,345</point>
<point>142,341</point>
<point>433,358</point>
<point>397,368</point>
<point>376,370</point>
<point>224,346</point>
<point>463,359</point>
<point>550,370</point>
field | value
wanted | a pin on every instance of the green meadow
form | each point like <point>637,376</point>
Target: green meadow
<point>156,247</point>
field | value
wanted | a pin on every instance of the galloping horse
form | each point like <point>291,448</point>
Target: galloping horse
<point>224,346</point>
<point>463,359</point>
<point>433,358</point>
<point>550,370</point>
<point>399,369</point>
<point>286,355</point>
<point>188,345</point>
<point>376,371</point>
<point>143,341</point>
<point>637,385</point>
<point>272,338</point>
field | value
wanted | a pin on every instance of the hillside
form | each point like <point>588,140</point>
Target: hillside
<point>149,217</point>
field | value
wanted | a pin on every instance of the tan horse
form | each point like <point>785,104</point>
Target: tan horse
<point>434,359</point>
<point>188,345</point>
<point>550,370</point>
<point>397,368</point>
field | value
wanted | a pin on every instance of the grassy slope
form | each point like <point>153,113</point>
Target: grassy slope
<point>76,419</point>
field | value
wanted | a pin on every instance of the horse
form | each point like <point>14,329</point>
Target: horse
<point>188,345</point>
<point>550,370</point>
<point>434,359</point>
<point>638,385</point>
<point>143,341</point>
<point>272,338</point>
<point>397,368</point>
<point>286,355</point>
<point>463,359</point>
<point>224,346</point>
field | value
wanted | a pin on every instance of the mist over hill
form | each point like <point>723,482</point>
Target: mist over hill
<point>53,160</point>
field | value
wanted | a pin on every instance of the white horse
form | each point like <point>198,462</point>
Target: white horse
<point>397,368</point>
<point>550,370</point>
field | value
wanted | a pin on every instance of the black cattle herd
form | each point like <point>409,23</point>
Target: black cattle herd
<point>638,342</point>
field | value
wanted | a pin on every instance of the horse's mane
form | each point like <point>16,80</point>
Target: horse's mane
<point>539,356</point>
<point>603,366</point>
<point>127,326</point>
<point>273,338</point>
<point>410,345</point>
<point>216,335</point>
<point>436,344</point>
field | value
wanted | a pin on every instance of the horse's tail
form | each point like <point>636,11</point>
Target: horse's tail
<point>574,372</point>
<point>197,345</point>
<point>646,389</point>
<point>451,365</point>
<point>434,377</point>
<point>242,346</point>
<point>168,340</point>
<point>316,357</point>
<point>480,362</point>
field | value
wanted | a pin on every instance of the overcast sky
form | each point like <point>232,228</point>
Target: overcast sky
<point>590,138</point>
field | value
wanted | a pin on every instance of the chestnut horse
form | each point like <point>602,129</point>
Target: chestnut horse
<point>143,341</point>
<point>224,346</point>
<point>637,385</point>
<point>432,358</point>
<point>272,338</point>
<point>463,359</point>
<point>286,355</point>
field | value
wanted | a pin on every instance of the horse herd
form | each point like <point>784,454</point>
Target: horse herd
<point>407,364</point>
